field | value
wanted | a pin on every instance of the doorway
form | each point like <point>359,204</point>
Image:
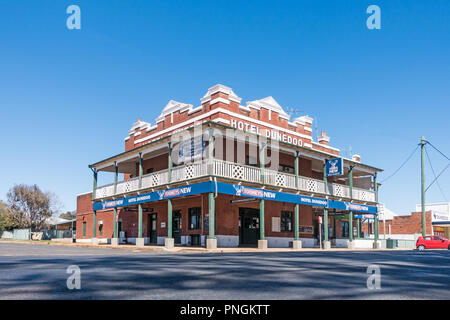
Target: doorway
<point>153,228</point>
<point>248,226</point>
<point>176,226</point>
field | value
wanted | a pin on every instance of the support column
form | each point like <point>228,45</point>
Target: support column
<point>94,213</point>
<point>376,245</point>
<point>350,215</point>
<point>140,242</point>
<point>211,242</point>
<point>262,242</point>
<point>115,239</point>
<point>297,244</point>
<point>169,241</point>
<point>326,241</point>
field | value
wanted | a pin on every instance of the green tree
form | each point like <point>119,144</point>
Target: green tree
<point>68,215</point>
<point>6,222</point>
<point>29,207</point>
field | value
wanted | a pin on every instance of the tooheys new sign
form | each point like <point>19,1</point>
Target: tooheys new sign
<point>235,190</point>
<point>335,167</point>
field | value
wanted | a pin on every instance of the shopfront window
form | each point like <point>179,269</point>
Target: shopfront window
<point>194,218</point>
<point>286,221</point>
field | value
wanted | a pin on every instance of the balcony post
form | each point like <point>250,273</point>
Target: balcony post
<point>169,242</point>
<point>375,188</point>
<point>326,243</point>
<point>350,215</point>
<point>211,151</point>
<point>94,212</point>
<point>170,162</point>
<point>140,240</point>
<point>297,244</point>
<point>141,170</point>
<point>211,242</point>
<point>262,160</point>
<point>115,240</point>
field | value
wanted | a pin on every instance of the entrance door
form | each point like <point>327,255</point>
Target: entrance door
<point>176,226</point>
<point>248,226</point>
<point>152,228</point>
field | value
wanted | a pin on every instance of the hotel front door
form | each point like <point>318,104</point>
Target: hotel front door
<point>248,226</point>
<point>152,228</point>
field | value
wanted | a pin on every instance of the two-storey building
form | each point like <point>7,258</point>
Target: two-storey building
<point>227,174</point>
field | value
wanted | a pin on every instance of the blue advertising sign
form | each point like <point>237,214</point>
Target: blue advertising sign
<point>235,190</point>
<point>334,167</point>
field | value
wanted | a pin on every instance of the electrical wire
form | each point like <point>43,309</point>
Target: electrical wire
<point>438,151</point>
<point>407,159</point>
<point>435,178</point>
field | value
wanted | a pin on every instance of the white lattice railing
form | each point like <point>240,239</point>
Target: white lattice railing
<point>189,171</point>
<point>233,171</point>
<point>236,171</point>
<point>311,185</point>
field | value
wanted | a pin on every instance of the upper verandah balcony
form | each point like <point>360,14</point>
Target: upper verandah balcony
<point>236,156</point>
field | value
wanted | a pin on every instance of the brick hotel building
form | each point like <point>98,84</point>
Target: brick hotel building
<point>225,174</point>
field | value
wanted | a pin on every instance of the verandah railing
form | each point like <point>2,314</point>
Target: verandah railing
<point>233,171</point>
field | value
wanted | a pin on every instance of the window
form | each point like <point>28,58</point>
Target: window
<point>194,218</point>
<point>150,170</point>
<point>100,227</point>
<point>286,169</point>
<point>286,221</point>
<point>84,229</point>
<point>251,161</point>
<point>427,238</point>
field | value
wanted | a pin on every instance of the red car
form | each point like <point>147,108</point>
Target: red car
<point>432,242</point>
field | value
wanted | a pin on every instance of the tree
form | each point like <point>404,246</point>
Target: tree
<point>6,222</point>
<point>29,207</point>
<point>68,215</point>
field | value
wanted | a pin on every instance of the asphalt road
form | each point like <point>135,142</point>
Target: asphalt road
<point>30,271</point>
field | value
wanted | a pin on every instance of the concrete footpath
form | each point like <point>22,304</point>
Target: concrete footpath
<point>184,249</point>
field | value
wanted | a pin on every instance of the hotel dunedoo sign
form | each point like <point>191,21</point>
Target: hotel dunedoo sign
<point>268,133</point>
<point>335,167</point>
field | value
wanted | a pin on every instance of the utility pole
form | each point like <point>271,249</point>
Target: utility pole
<point>422,147</point>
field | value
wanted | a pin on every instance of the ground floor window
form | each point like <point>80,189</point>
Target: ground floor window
<point>100,228</point>
<point>194,218</point>
<point>286,221</point>
<point>84,229</point>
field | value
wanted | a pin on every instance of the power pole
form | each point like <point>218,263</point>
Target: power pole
<point>422,147</point>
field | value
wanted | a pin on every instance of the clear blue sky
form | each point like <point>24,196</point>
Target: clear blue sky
<point>68,97</point>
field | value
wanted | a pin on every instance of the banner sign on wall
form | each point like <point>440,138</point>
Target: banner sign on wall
<point>192,150</point>
<point>335,167</point>
<point>234,190</point>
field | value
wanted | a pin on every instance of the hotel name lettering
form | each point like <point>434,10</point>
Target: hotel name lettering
<point>268,133</point>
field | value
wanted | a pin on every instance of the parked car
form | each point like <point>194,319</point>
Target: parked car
<point>432,242</point>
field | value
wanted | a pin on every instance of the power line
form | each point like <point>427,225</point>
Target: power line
<point>448,165</point>
<point>438,151</point>
<point>407,159</point>
<point>435,178</point>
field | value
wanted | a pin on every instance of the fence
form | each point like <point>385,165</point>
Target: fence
<point>25,234</point>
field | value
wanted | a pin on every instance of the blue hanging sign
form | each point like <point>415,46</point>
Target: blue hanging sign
<point>334,167</point>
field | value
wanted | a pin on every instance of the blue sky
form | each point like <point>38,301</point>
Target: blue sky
<point>68,97</point>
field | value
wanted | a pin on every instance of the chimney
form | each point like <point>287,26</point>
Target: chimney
<point>323,138</point>
<point>356,158</point>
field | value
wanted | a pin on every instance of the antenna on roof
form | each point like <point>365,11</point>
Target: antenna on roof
<point>292,111</point>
